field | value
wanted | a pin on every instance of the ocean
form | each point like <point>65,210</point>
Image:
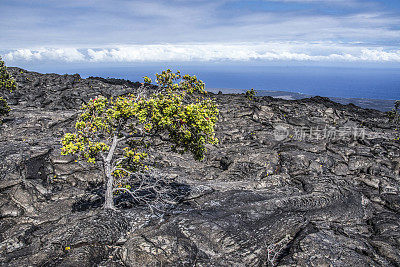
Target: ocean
<point>344,82</point>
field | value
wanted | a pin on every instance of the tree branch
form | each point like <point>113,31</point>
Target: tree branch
<point>126,190</point>
<point>112,149</point>
<point>118,160</point>
<point>121,169</point>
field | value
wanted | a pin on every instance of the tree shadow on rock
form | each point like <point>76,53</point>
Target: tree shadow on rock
<point>151,191</point>
<point>148,190</point>
<point>92,200</point>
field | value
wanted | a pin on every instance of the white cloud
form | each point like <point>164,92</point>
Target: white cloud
<point>272,51</point>
<point>380,55</point>
<point>56,54</point>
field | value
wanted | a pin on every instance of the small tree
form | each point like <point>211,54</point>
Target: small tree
<point>7,84</point>
<point>250,94</point>
<point>394,114</point>
<point>4,108</point>
<point>115,133</point>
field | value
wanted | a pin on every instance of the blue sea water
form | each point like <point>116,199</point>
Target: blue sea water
<point>346,82</point>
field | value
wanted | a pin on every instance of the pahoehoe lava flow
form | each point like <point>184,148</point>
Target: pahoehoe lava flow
<point>253,201</point>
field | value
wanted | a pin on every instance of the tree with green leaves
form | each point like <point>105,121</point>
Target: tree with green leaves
<point>394,114</point>
<point>7,84</point>
<point>250,94</point>
<point>117,132</point>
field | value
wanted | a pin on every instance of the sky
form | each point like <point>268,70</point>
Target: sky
<point>128,31</point>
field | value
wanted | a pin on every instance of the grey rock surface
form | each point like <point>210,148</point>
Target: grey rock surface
<point>271,193</point>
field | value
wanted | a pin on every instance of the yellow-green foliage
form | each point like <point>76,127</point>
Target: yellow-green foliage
<point>250,94</point>
<point>181,112</point>
<point>177,82</point>
<point>6,84</point>
<point>4,108</point>
<point>394,114</point>
<point>147,80</point>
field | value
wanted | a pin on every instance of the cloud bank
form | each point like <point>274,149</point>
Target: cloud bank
<point>53,54</point>
<point>274,51</point>
<point>95,31</point>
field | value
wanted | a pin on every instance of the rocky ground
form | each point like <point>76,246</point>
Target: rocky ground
<point>271,193</point>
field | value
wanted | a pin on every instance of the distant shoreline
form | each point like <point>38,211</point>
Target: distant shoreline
<point>314,81</point>
<point>378,104</point>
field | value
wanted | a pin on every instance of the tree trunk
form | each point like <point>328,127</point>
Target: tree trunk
<point>109,198</point>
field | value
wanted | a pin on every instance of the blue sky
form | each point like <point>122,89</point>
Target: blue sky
<point>129,31</point>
